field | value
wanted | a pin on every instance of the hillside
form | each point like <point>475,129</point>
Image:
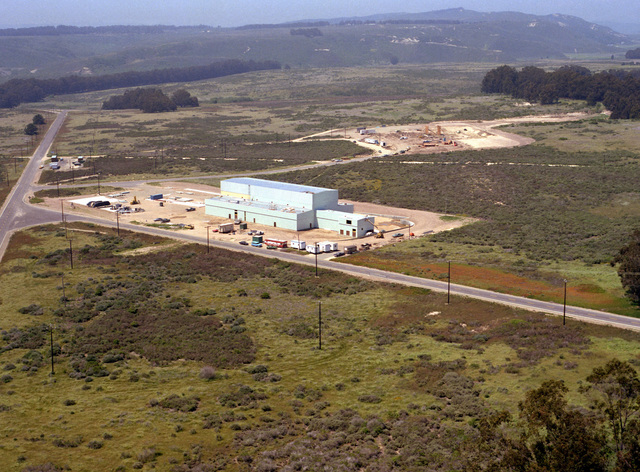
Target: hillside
<point>454,35</point>
<point>171,358</point>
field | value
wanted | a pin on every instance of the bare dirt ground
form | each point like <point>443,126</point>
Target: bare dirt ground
<point>444,136</point>
<point>389,219</point>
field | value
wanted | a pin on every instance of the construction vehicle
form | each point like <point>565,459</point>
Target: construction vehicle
<point>135,201</point>
<point>380,232</point>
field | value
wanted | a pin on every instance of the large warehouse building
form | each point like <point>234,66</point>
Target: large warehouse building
<point>290,206</point>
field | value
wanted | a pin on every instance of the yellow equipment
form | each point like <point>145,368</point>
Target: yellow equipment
<point>135,201</point>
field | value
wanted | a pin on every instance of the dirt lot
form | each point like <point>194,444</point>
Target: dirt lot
<point>444,136</point>
<point>178,196</point>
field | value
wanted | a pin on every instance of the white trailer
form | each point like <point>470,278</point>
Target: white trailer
<point>371,141</point>
<point>328,246</point>
<point>314,248</point>
<point>297,244</point>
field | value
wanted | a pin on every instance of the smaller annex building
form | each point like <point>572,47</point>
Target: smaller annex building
<point>289,206</point>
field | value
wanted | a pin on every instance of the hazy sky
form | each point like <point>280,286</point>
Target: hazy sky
<point>17,13</point>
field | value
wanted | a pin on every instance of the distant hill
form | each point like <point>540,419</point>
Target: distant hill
<point>452,35</point>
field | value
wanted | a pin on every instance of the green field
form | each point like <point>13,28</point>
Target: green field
<point>170,358</point>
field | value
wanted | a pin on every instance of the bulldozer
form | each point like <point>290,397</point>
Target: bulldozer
<point>135,201</point>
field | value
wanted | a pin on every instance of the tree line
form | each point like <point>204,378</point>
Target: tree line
<point>115,29</point>
<point>150,100</point>
<point>618,91</point>
<point>633,54</point>
<point>17,91</point>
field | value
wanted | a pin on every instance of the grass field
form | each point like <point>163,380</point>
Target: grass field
<point>392,357</point>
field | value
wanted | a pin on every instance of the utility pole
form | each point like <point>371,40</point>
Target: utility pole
<point>71,253</point>
<point>118,221</point>
<point>208,239</point>
<point>64,295</point>
<point>316,252</point>
<point>58,185</point>
<point>449,285</point>
<point>51,332</point>
<point>564,305</point>
<point>320,326</point>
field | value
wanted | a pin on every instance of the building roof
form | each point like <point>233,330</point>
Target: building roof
<point>257,204</point>
<point>277,185</point>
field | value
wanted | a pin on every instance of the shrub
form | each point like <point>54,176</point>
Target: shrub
<point>208,373</point>
<point>369,399</point>
<point>32,309</point>
<point>69,402</point>
<point>6,378</point>
<point>265,296</point>
<point>94,444</point>
<point>176,402</point>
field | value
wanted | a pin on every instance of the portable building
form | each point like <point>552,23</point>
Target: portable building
<point>371,141</point>
<point>297,244</point>
<point>156,196</point>
<point>225,227</point>
<point>328,246</point>
<point>314,248</point>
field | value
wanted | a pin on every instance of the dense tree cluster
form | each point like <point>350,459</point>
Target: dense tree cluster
<point>299,24</point>
<point>64,29</point>
<point>307,32</point>
<point>150,100</point>
<point>629,269</point>
<point>17,91</point>
<point>618,91</point>
<point>633,54</point>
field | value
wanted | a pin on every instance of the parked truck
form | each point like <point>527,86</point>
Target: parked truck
<point>371,141</point>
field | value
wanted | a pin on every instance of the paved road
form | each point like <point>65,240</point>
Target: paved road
<point>18,214</point>
<point>15,212</point>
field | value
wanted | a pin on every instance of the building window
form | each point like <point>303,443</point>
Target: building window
<point>254,220</point>
<point>229,215</point>
<point>348,222</point>
<point>341,231</point>
<point>354,232</point>
<point>274,224</point>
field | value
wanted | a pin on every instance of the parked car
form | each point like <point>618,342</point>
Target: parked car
<point>338,254</point>
<point>259,233</point>
<point>191,209</point>
<point>244,243</point>
<point>397,235</point>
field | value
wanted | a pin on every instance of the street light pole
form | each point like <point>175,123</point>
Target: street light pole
<point>316,253</point>
<point>71,253</point>
<point>208,239</point>
<point>98,183</point>
<point>118,222</point>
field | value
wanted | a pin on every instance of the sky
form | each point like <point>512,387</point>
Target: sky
<point>21,13</point>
